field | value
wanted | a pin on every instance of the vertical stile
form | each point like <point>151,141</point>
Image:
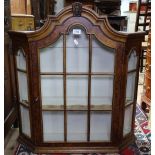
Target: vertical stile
<point>64,76</point>
<point>89,87</point>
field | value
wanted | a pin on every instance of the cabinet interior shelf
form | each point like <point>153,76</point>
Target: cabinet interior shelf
<point>75,73</point>
<point>77,108</point>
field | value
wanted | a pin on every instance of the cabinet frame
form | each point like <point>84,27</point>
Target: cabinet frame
<point>96,25</point>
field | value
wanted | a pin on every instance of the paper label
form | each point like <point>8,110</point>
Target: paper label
<point>77,31</point>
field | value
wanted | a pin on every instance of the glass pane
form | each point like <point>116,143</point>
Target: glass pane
<point>128,120</point>
<point>100,126</point>
<point>23,88</point>
<point>21,60</point>
<point>52,90</point>
<point>77,90</point>
<point>53,126</point>
<point>77,51</point>
<point>25,120</point>
<point>102,57</point>
<point>76,126</point>
<point>130,90</point>
<point>51,57</point>
<point>132,61</point>
<point>101,90</point>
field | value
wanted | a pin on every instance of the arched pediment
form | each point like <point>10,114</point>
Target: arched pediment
<point>86,17</point>
<point>76,14</point>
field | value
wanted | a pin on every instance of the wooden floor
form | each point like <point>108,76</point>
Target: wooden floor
<point>10,142</point>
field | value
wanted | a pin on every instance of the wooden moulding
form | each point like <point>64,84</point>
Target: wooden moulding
<point>77,150</point>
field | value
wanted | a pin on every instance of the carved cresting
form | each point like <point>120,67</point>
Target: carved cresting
<point>77,9</point>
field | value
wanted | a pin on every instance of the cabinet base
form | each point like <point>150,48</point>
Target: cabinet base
<point>72,149</point>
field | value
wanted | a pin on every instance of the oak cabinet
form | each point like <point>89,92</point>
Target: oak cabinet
<point>77,81</point>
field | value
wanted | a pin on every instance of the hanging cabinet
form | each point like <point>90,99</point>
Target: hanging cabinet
<point>77,83</point>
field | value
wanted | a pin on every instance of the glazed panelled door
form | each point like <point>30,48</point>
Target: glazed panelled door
<point>130,91</point>
<point>23,96</point>
<point>76,79</point>
<point>52,91</point>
